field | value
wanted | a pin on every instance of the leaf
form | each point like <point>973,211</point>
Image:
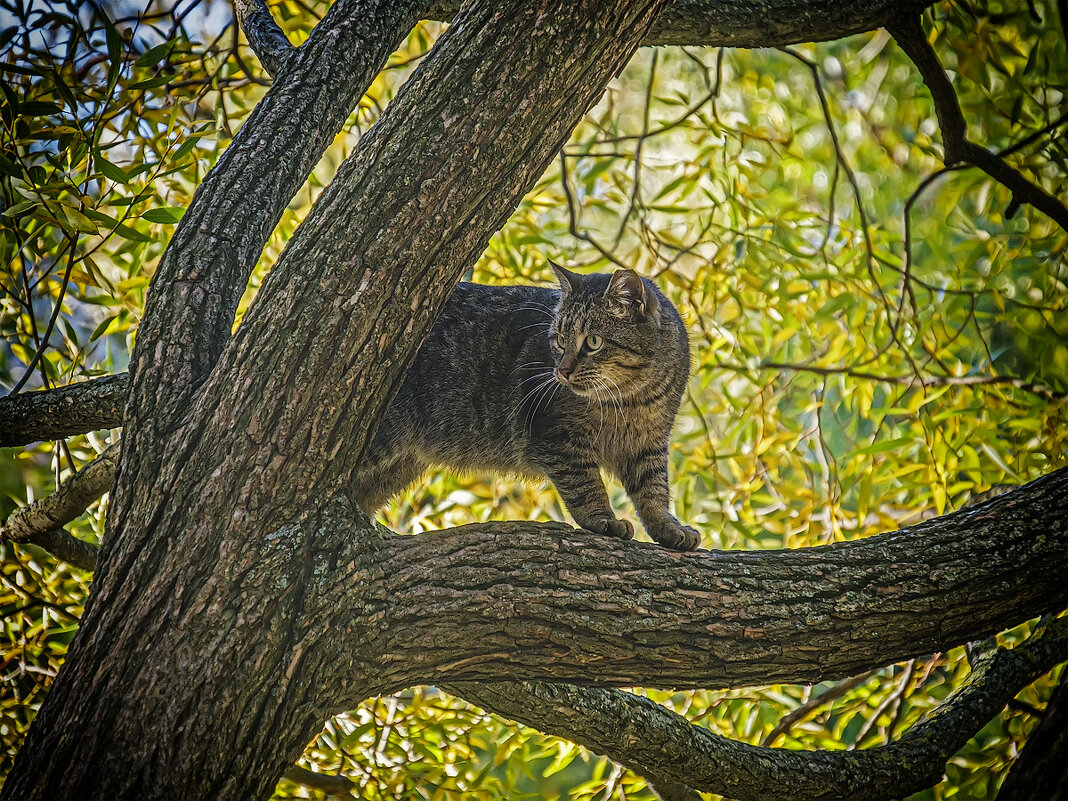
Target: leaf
<point>18,209</point>
<point>38,108</point>
<point>168,215</point>
<point>114,42</point>
<point>881,447</point>
<point>156,54</point>
<point>111,171</point>
<point>79,220</point>
<point>102,327</point>
<point>152,83</point>
<point>8,167</point>
<point>19,69</point>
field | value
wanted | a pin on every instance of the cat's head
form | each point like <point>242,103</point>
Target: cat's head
<point>606,337</point>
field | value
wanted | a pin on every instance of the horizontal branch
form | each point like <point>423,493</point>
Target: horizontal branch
<point>325,782</point>
<point>640,733</point>
<point>772,23</point>
<point>42,521</point>
<point>63,412</point>
<point>912,381</point>
<point>525,601</point>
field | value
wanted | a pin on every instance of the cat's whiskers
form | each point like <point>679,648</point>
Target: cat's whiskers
<point>617,399</point>
<point>547,379</point>
<point>546,400</point>
<point>528,364</point>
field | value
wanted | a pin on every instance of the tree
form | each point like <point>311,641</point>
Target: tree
<point>236,584</point>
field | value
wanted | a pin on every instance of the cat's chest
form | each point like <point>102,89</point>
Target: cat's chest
<point>614,434</point>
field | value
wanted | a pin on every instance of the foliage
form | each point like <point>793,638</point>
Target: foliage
<point>870,347</point>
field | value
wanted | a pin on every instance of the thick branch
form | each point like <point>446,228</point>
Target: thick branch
<point>264,36</point>
<point>911,38</point>
<point>543,602</point>
<point>63,412</point>
<point>771,23</point>
<point>42,521</point>
<point>645,736</point>
<point>195,291</point>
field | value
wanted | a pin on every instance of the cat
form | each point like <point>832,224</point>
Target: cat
<point>534,381</point>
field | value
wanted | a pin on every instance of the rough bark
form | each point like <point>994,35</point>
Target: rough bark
<point>194,294</point>
<point>732,23</point>
<point>641,733</point>
<point>42,522</point>
<point>518,600</point>
<point>63,412</point>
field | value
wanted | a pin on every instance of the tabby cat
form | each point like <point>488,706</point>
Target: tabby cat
<point>541,382</point>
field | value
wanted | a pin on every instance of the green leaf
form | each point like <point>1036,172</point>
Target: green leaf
<point>165,214</point>
<point>100,329</point>
<point>8,167</point>
<point>79,220</point>
<point>111,171</point>
<point>156,54</point>
<point>38,108</point>
<point>115,48</point>
<point>18,209</point>
<point>881,447</point>
<point>18,69</point>
<point>152,83</point>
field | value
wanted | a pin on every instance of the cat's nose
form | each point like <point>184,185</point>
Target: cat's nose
<point>564,371</point>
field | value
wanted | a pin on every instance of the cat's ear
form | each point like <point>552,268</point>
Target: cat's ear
<point>568,280</point>
<point>627,288</point>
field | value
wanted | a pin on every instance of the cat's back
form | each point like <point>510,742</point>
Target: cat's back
<point>458,403</point>
<point>484,327</point>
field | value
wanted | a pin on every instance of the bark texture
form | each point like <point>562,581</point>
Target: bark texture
<point>63,412</point>
<point>639,732</point>
<point>518,600</point>
<point>734,23</point>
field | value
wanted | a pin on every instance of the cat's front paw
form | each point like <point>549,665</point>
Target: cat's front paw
<point>610,526</point>
<point>673,534</point>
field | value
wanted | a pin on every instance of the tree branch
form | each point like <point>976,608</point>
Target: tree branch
<point>771,23</point>
<point>524,601</point>
<point>266,39</point>
<point>64,411</point>
<point>42,521</point>
<point>196,288</point>
<point>645,736</point>
<point>909,34</point>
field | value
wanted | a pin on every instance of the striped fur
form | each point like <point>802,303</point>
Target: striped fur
<point>541,382</point>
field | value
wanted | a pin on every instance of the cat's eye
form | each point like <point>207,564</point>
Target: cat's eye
<point>557,341</point>
<point>594,342</point>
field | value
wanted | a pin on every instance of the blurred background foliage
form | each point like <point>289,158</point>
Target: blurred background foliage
<point>875,340</point>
